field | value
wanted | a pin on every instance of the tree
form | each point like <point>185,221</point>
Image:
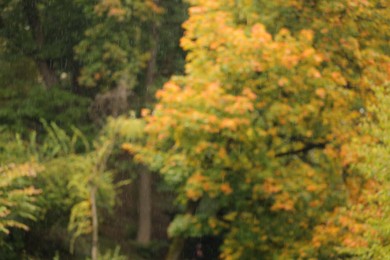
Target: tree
<point>254,138</point>
<point>92,184</point>
<point>41,31</point>
<point>112,50</point>
<point>75,181</point>
<point>165,59</point>
<point>86,49</point>
<point>94,43</point>
<point>67,45</point>
<point>56,57</point>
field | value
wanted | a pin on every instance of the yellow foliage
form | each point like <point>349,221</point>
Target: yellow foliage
<point>17,199</point>
<point>274,109</point>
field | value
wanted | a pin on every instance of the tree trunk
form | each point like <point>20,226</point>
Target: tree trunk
<point>99,169</point>
<point>95,237</point>
<point>175,248</point>
<point>145,188</point>
<point>145,207</point>
<point>177,244</point>
<point>32,14</point>
<point>49,76</point>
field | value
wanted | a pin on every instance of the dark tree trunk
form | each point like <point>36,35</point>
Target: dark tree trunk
<point>177,244</point>
<point>95,227</point>
<point>48,74</point>
<point>145,207</point>
<point>32,14</point>
<point>145,188</point>
<point>175,249</point>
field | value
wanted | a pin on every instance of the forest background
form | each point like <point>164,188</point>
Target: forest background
<point>196,129</point>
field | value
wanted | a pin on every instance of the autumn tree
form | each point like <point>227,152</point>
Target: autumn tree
<point>254,139</point>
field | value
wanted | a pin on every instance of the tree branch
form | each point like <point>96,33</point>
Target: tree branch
<point>305,149</point>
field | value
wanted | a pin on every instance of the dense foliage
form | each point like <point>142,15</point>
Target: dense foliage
<point>271,142</point>
<point>255,138</point>
<point>17,198</point>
